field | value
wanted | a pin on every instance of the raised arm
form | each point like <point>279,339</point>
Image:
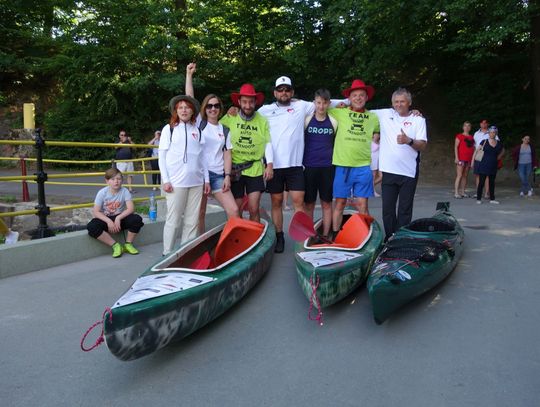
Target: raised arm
<point>190,70</point>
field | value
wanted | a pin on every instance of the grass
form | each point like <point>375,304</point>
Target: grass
<point>142,209</point>
<point>9,199</point>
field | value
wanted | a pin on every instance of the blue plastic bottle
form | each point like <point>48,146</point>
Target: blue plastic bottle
<point>152,212</point>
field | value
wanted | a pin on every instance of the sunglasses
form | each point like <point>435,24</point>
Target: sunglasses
<point>283,89</point>
<point>215,105</point>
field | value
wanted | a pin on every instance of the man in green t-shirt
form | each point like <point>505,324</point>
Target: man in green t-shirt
<point>352,151</point>
<point>250,139</point>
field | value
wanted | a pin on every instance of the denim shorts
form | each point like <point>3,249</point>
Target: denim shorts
<point>216,181</point>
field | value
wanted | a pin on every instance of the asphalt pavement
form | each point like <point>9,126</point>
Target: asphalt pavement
<point>471,341</point>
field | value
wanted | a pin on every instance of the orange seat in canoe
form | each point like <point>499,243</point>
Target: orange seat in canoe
<point>354,232</point>
<point>237,236</point>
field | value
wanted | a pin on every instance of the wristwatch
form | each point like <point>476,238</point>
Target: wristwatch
<point>227,174</point>
<point>411,142</point>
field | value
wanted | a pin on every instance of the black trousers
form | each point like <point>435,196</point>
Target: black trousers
<point>481,182</point>
<point>156,178</point>
<point>132,222</point>
<point>397,187</point>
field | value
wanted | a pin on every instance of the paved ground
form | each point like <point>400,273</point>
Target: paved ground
<point>472,341</point>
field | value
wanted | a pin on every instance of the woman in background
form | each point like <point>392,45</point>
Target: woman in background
<point>525,162</point>
<point>463,152</point>
<point>487,167</point>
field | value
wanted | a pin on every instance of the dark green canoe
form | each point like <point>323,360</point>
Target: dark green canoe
<point>327,284</point>
<point>140,328</point>
<point>417,258</point>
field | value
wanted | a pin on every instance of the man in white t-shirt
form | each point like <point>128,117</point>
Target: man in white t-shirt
<point>286,119</point>
<point>403,136</point>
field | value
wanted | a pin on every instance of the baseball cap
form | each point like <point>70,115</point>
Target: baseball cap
<point>283,81</point>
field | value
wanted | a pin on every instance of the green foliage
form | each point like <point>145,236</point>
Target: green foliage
<point>98,66</point>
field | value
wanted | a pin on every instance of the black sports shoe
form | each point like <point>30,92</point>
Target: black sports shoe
<point>280,243</point>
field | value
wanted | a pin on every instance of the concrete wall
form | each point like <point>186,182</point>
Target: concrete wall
<point>32,255</point>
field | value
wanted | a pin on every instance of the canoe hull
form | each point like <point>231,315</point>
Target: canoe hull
<point>393,283</point>
<point>141,328</point>
<point>336,281</point>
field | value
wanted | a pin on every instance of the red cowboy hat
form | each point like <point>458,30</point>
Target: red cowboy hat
<point>247,89</point>
<point>359,84</point>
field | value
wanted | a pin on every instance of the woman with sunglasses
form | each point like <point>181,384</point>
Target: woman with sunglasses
<point>216,151</point>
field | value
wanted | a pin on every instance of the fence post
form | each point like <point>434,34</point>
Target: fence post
<point>43,229</point>
<point>25,194</point>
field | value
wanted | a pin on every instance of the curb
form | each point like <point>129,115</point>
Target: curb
<point>33,255</point>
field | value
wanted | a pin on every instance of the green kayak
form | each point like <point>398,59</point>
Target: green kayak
<point>328,272</point>
<point>417,258</point>
<point>190,288</point>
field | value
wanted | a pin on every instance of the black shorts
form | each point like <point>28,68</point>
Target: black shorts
<point>289,179</point>
<point>321,180</point>
<point>132,223</point>
<point>246,185</point>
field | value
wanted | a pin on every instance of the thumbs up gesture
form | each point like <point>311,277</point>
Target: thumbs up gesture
<point>402,138</point>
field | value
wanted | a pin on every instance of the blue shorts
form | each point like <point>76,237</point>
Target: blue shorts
<point>359,180</point>
<point>216,181</point>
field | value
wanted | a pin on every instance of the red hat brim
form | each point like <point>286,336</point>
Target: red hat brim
<point>370,90</point>
<point>259,98</point>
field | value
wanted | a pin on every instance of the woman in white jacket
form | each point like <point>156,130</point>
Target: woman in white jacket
<point>183,171</point>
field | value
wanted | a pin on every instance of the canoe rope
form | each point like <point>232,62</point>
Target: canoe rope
<point>314,299</point>
<point>101,339</point>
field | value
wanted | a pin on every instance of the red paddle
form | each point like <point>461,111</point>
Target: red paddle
<point>302,228</point>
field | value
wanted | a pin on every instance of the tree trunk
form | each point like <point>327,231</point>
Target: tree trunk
<point>535,60</point>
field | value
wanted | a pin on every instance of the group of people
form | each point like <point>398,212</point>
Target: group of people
<point>307,148</point>
<point>484,151</point>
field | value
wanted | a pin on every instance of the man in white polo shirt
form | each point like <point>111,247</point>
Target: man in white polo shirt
<point>403,136</point>
<point>286,118</point>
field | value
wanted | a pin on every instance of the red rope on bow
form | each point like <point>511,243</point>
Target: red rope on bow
<point>314,299</point>
<point>101,339</point>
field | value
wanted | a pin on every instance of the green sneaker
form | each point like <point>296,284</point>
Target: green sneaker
<point>129,248</point>
<point>116,250</point>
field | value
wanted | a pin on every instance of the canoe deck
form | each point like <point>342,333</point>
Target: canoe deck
<point>417,258</point>
<point>140,328</point>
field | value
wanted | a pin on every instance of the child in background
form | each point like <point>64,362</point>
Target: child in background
<point>113,212</point>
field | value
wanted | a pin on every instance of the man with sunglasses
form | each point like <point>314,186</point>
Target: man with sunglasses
<point>286,117</point>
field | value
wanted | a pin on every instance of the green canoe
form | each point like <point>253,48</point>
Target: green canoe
<point>200,290</point>
<point>355,248</point>
<point>417,258</point>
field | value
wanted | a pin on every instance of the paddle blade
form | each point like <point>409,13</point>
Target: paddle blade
<point>301,227</point>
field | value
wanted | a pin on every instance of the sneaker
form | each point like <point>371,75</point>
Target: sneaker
<point>521,194</point>
<point>458,197</point>
<point>530,193</point>
<point>280,243</point>
<point>116,250</point>
<point>12,237</point>
<point>377,195</point>
<point>479,202</point>
<point>494,202</point>
<point>129,248</point>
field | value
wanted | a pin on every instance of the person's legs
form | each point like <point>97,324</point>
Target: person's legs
<point>227,202</point>
<point>406,201</point>
<point>361,205</point>
<point>390,193</point>
<point>191,213</point>
<point>277,210</point>
<point>464,175</point>
<point>254,201</point>
<point>480,187</point>
<point>202,215</point>
<point>337,215</point>
<point>528,172</point>
<point>457,182</point>
<point>326,217</point>
<point>176,203</point>
<point>492,187</point>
